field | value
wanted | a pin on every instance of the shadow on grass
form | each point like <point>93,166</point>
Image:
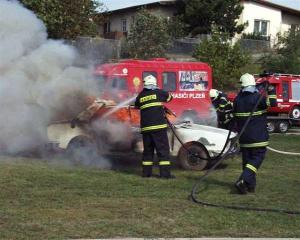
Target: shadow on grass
<point>209,182</point>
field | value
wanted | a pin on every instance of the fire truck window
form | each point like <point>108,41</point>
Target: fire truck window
<point>145,74</point>
<point>119,83</point>
<point>296,91</point>
<point>169,81</point>
<point>285,90</point>
<point>100,81</point>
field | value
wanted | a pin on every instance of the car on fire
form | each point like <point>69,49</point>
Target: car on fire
<point>92,129</point>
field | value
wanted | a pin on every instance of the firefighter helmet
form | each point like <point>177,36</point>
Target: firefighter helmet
<point>247,80</point>
<point>150,80</point>
<point>213,93</point>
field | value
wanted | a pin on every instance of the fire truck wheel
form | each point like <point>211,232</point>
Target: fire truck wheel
<point>271,126</point>
<point>82,151</point>
<point>188,157</point>
<point>282,126</point>
<point>295,113</point>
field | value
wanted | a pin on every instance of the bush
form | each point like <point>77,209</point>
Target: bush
<point>227,60</point>
<point>255,36</point>
<point>148,37</point>
<point>286,57</point>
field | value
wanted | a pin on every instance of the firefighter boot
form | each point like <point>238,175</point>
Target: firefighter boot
<point>147,171</point>
<point>250,189</point>
<point>241,186</point>
<point>165,172</point>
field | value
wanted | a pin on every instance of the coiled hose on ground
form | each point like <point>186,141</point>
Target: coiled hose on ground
<point>220,159</point>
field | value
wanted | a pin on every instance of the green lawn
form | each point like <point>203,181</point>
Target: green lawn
<point>49,201</point>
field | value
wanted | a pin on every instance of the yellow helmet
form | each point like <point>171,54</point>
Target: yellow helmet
<point>213,93</point>
<point>247,80</point>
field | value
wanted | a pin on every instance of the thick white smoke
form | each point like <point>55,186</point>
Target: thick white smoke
<point>38,80</point>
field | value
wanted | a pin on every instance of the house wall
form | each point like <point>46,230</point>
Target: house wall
<point>288,20</point>
<point>116,18</point>
<point>254,11</point>
<point>278,21</point>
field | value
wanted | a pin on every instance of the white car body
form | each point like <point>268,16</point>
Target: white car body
<point>210,138</point>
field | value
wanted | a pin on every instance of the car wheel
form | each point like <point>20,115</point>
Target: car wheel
<point>282,126</point>
<point>188,157</point>
<point>295,113</point>
<point>82,151</point>
<point>271,126</point>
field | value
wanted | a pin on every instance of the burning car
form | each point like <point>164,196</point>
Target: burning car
<point>103,127</point>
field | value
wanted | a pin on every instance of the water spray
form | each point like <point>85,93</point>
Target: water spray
<point>115,108</point>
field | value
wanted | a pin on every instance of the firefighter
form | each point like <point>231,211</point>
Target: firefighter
<point>223,108</point>
<point>254,139</point>
<point>154,127</point>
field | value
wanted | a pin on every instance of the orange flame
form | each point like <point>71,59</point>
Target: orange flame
<point>128,115</point>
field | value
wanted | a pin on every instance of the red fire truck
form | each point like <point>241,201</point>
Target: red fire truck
<point>287,111</point>
<point>188,82</point>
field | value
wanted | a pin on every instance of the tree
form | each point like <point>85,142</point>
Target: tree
<point>226,59</point>
<point>66,20</point>
<point>176,27</point>
<point>201,16</point>
<point>286,58</point>
<point>148,36</point>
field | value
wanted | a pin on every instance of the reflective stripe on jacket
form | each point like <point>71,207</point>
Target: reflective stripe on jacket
<point>150,102</point>
<point>255,134</point>
<point>223,108</point>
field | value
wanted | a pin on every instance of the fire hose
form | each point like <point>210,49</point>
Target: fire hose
<point>283,152</point>
<point>220,159</point>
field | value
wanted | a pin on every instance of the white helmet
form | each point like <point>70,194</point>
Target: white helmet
<point>213,93</point>
<point>150,80</point>
<point>247,80</point>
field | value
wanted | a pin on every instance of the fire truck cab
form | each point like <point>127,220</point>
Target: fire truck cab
<point>188,82</point>
<point>287,111</point>
<point>287,91</point>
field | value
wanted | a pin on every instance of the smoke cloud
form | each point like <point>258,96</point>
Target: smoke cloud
<point>38,80</point>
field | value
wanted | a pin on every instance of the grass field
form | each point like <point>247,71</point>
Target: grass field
<point>52,201</point>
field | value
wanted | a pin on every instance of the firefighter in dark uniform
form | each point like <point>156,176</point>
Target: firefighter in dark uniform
<point>223,108</point>
<point>154,127</point>
<point>254,139</point>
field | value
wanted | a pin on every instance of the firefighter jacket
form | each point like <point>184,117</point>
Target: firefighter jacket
<point>223,108</point>
<point>150,102</point>
<point>255,134</point>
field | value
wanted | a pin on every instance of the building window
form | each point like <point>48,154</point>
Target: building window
<point>169,81</point>
<point>106,27</point>
<point>261,27</point>
<point>124,25</point>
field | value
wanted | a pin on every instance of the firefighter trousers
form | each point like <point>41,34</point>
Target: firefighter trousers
<point>156,141</point>
<point>252,160</point>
